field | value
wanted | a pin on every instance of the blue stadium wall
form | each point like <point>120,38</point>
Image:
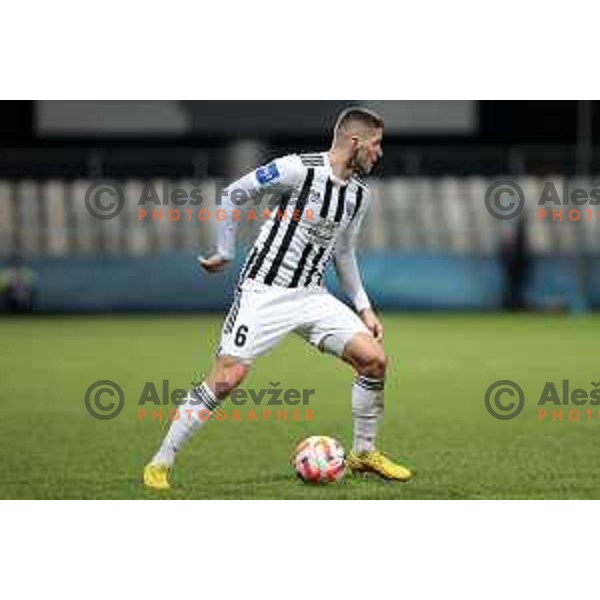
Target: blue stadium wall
<point>173,282</point>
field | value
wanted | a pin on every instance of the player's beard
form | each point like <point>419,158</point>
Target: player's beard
<point>358,163</point>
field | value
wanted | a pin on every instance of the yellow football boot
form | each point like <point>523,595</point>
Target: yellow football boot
<point>376,462</point>
<point>156,477</point>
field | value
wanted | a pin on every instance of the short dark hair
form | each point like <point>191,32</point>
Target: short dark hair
<point>360,115</point>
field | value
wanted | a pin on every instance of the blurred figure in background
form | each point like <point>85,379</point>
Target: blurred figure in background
<point>16,287</point>
<point>515,261</point>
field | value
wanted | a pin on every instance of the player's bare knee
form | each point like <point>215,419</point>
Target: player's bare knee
<point>227,375</point>
<point>372,363</point>
<point>232,377</point>
<point>366,356</point>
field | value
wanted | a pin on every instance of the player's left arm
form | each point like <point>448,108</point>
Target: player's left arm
<point>348,273</point>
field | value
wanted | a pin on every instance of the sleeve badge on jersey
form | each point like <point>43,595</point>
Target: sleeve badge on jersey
<point>267,174</point>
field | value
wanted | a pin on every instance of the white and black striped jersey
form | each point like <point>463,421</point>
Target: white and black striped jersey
<point>317,217</point>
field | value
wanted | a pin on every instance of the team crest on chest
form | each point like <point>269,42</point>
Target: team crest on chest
<point>315,197</point>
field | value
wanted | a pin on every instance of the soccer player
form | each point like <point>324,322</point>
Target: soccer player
<point>280,288</point>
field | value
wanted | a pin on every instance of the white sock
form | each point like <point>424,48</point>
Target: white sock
<point>200,398</point>
<point>367,408</point>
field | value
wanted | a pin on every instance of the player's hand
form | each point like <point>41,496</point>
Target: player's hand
<point>214,264</point>
<point>374,325</point>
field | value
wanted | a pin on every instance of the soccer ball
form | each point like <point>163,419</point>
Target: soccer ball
<point>319,459</point>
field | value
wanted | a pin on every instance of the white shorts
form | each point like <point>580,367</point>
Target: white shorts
<point>262,315</point>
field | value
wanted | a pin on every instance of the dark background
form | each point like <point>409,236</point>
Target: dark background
<point>505,122</point>
<point>536,137</point>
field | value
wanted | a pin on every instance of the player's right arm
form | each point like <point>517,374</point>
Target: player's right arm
<point>279,176</point>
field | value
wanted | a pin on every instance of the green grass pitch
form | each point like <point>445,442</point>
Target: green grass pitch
<point>441,366</point>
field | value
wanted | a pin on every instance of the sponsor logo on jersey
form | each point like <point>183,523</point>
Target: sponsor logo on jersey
<point>267,174</point>
<point>323,232</point>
